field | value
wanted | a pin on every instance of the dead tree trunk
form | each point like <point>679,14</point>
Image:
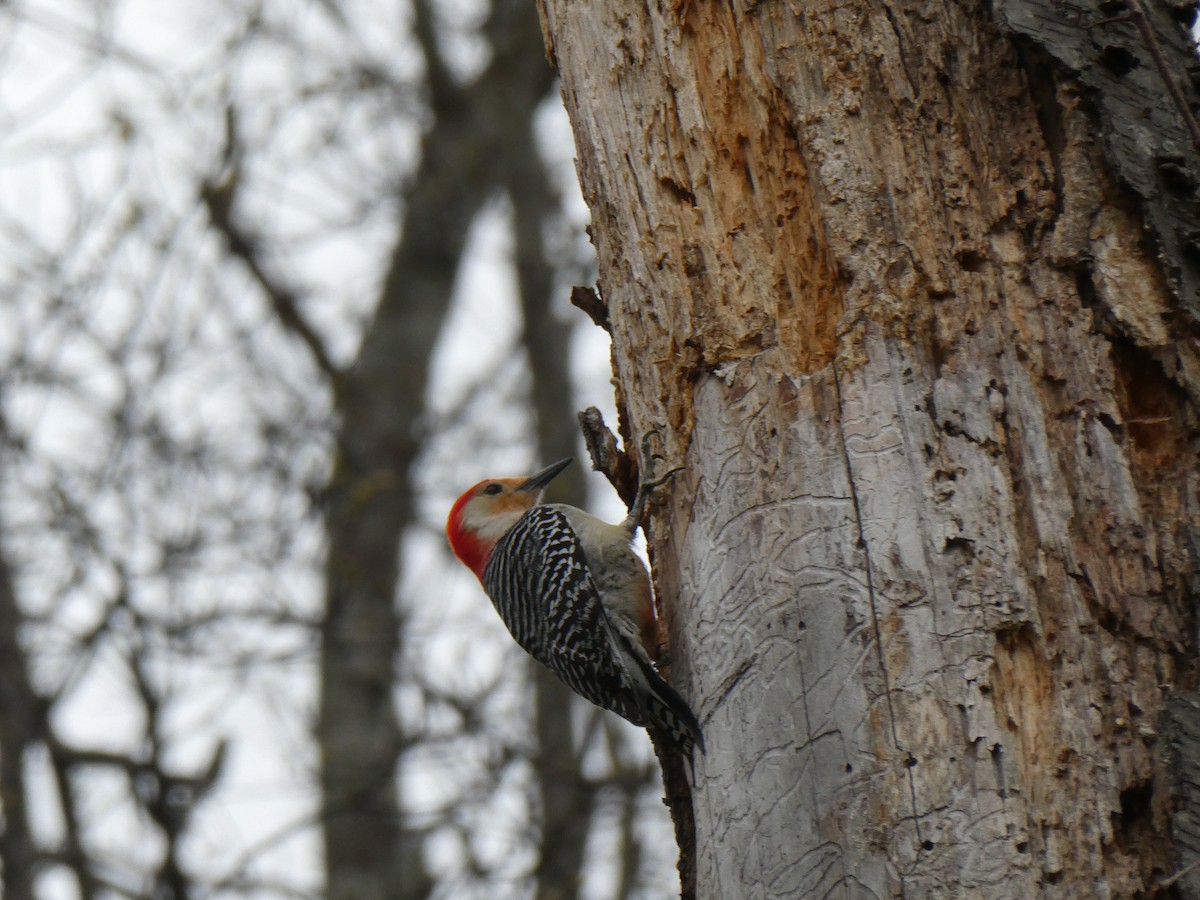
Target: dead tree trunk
<point>909,288</point>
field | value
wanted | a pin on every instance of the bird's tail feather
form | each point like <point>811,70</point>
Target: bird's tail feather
<point>670,714</point>
<point>657,704</point>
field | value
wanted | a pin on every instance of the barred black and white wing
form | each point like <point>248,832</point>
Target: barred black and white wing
<point>538,579</point>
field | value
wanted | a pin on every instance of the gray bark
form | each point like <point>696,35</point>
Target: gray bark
<point>1182,734</point>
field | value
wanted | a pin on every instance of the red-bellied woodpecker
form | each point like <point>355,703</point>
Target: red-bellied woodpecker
<point>573,594</point>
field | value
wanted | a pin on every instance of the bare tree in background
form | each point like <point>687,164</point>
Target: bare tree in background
<point>231,661</point>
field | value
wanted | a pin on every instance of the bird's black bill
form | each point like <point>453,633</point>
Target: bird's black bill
<point>544,477</point>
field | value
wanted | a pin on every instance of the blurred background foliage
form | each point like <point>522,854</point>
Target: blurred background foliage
<point>280,279</point>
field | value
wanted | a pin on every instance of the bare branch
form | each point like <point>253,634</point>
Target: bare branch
<point>607,457</point>
<point>219,198</point>
<point>588,300</point>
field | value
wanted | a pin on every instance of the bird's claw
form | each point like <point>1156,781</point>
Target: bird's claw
<point>647,486</point>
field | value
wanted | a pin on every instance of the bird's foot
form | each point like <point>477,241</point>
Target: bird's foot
<point>647,486</point>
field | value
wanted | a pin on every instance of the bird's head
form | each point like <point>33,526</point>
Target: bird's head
<point>482,515</point>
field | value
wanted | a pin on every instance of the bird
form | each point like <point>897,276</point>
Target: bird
<point>573,595</point>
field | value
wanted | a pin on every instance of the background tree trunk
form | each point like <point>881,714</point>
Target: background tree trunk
<point>20,729</point>
<point>921,325</point>
<point>381,399</point>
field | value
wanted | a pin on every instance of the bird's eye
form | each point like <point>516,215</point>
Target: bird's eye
<point>493,488</point>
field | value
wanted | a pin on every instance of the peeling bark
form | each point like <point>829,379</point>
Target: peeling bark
<point>877,273</point>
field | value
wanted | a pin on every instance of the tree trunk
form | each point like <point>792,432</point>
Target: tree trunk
<point>925,341</point>
<point>370,852</point>
<point>20,729</point>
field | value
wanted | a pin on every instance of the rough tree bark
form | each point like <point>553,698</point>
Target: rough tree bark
<point>910,290</point>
